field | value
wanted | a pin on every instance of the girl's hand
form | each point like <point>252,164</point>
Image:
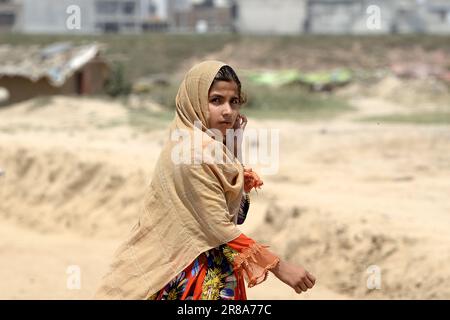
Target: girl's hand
<point>294,276</point>
<point>251,180</point>
<point>241,122</point>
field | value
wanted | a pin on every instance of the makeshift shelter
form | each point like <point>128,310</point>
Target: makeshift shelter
<point>60,68</point>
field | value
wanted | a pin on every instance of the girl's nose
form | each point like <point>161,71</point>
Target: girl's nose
<point>227,109</point>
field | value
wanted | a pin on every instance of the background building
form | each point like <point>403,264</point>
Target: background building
<point>244,16</point>
<point>270,16</point>
<point>203,16</point>
<point>60,68</point>
<point>9,15</point>
<point>96,16</point>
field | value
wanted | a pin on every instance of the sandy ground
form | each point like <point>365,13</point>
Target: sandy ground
<point>349,197</point>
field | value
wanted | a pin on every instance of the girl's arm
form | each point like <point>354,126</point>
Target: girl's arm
<point>294,276</point>
<point>255,261</point>
<point>251,258</point>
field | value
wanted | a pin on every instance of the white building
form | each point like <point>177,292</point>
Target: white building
<point>413,16</point>
<point>9,15</point>
<point>54,16</point>
<point>377,16</point>
<point>343,16</point>
<point>270,16</point>
<point>245,16</point>
<point>91,16</point>
<point>202,16</point>
<point>350,16</point>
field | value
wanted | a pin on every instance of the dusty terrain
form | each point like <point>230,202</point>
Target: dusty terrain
<point>348,195</point>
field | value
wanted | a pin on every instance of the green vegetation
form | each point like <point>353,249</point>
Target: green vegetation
<point>137,56</point>
<point>146,120</point>
<point>291,102</point>
<point>436,117</point>
<point>142,54</point>
<point>165,95</point>
<point>40,102</point>
<point>151,53</point>
<point>117,84</point>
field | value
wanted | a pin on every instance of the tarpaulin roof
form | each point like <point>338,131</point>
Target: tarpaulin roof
<point>56,62</point>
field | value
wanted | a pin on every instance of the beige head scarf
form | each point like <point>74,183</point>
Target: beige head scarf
<point>188,208</point>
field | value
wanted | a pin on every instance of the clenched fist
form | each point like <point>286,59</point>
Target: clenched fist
<point>295,276</point>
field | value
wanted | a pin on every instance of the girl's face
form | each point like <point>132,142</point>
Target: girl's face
<point>224,105</point>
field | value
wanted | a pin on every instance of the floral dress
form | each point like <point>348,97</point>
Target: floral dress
<point>219,273</point>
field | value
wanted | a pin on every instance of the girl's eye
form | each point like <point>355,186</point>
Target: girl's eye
<point>215,100</point>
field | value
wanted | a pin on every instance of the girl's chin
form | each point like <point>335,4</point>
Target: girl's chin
<point>223,127</point>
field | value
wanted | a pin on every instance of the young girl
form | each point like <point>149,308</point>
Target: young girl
<point>186,243</point>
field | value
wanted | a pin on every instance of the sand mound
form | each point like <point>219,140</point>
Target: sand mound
<point>342,254</point>
<point>80,114</point>
<point>64,112</point>
<point>52,190</point>
<point>347,196</point>
<point>402,94</point>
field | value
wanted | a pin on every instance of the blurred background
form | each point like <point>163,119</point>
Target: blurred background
<point>359,91</point>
